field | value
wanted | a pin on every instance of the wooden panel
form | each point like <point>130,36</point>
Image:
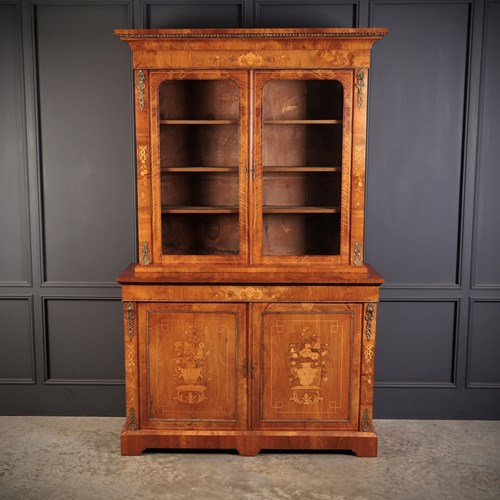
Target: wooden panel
<point>417,96</point>
<point>250,293</point>
<point>81,336</point>
<point>307,365</point>
<point>198,145</point>
<point>85,141</point>
<point>330,14</point>
<point>331,53</point>
<point>198,100</point>
<point>16,339</point>
<point>484,344</point>
<point>14,249</point>
<point>192,360</point>
<point>487,221</point>
<point>416,344</point>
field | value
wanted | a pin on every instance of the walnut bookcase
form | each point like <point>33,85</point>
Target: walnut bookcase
<point>250,318</point>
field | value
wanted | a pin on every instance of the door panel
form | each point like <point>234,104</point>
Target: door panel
<point>192,358</point>
<point>306,359</point>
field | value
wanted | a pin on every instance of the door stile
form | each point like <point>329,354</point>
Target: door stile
<point>257,81</point>
<point>245,148</point>
<point>250,170</point>
<point>254,375</point>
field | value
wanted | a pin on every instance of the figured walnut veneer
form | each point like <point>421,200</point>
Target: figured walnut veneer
<point>250,319</point>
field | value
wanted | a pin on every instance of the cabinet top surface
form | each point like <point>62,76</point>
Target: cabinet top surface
<point>262,275</point>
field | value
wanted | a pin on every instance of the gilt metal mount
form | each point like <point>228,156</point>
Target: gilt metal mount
<point>141,85</point>
<point>360,84</point>
<point>145,256</point>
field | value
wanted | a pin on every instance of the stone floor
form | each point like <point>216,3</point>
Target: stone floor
<point>78,458</point>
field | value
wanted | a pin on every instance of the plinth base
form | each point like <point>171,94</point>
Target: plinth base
<point>249,443</point>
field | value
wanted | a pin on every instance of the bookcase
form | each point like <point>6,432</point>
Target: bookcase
<point>250,317</point>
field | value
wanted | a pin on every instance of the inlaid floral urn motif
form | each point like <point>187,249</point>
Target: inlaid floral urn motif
<point>307,360</point>
<point>191,374</point>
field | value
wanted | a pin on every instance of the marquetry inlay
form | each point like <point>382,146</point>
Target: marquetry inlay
<point>143,158</point>
<point>369,353</point>
<point>250,59</point>
<point>252,293</point>
<point>307,363</point>
<point>191,371</point>
<point>358,190</point>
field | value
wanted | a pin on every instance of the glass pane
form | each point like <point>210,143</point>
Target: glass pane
<point>302,167</point>
<point>199,158</point>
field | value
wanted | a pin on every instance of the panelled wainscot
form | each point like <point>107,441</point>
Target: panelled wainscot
<point>250,318</point>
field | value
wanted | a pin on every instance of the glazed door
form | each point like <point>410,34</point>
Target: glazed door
<point>306,360</point>
<point>302,137</point>
<point>192,366</point>
<point>199,143</point>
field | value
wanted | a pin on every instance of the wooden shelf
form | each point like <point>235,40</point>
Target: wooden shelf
<point>199,122</point>
<point>181,209</point>
<point>272,209</point>
<point>302,122</point>
<point>302,169</point>
<point>199,169</point>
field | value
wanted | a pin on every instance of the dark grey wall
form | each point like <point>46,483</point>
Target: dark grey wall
<point>67,196</point>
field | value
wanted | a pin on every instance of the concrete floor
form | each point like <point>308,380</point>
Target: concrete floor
<point>52,458</point>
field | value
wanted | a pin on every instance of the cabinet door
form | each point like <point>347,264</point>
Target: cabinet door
<point>306,365</point>
<point>192,360</point>
<point>303,135</point>
<point>199,142</point>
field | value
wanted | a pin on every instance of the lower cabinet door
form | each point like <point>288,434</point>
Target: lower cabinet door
<point>306,360</point>
<point>192,364</point>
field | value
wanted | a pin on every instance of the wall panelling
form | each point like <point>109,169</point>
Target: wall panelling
<point>67,168</point>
